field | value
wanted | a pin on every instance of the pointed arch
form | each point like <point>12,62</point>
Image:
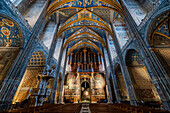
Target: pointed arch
<point>87,12</point>
<point>82,38</point>
<point>95,21</point>
<point>139,74</point>
<point>59,32</point>
<point>79,34</point>
<point>56,4</point>
<point>30,77</point>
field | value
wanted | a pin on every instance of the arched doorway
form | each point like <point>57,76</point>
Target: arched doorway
<point>30,78</point>
<point>144,88</point>
<point>10,43</point>
<point>85,91</point>
<point>121,83</point>
<point>159,40</point>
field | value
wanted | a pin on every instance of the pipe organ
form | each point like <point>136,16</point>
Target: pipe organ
<point>85,60</point>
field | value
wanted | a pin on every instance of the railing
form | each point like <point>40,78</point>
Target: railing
<point>9,3</point>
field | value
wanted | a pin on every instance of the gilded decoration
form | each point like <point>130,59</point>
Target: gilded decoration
<point>30,78</point>
<point>141,81</point>
<point>90,16</point>
<point>133,58</point>
<point>37,59</point>
<point>84,15</point>
<point>161,35</point>
<point>160,31</point>
<point>10,34</point>
<point>89,87</point>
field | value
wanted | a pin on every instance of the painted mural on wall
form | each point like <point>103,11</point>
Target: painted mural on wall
<point>121,32</point>
<point>29,80</point>
<point>10,34</point>
<point>144,88</point>
<point>30,77</point>
<point>10,42</point>
<point>72,88</point>
<point>161,35</point>
<point>137,12</point>
<point>160,40</point>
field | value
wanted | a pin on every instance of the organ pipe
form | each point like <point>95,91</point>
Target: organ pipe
<point>75,58</point>
<point>94,58</point>
<point>89,56</point>
<point>85,60</point>
<point>71,59</point>
<point>78,58</point>
<point>81,57</point>
<point>84,54</point>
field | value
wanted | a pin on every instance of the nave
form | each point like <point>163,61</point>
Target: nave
<point>56,55</point>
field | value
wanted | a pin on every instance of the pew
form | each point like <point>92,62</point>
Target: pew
<point>50,108</point>
<point>122,108</point>
<point>95,108</point>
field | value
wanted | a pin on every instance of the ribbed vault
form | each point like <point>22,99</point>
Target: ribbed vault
<point>84,23</point>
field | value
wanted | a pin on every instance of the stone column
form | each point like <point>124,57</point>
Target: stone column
<point>62,82</point>
<point>50,56</point>
<point>157,75</point>
<point>113,77</point>
<point>107,79</point>
<point>126,76</point>
<point>57,74</point>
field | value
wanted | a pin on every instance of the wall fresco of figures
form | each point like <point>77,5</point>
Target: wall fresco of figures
<point>10,42</point>
<point>74,91</point>
<point>144,88</point>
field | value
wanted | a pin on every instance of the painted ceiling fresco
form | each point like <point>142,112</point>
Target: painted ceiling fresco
<point>84,22</point>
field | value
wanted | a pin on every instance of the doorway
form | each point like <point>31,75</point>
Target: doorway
<point>85,91</point>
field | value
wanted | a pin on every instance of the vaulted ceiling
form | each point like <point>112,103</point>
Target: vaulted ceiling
<point>85,22</point>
